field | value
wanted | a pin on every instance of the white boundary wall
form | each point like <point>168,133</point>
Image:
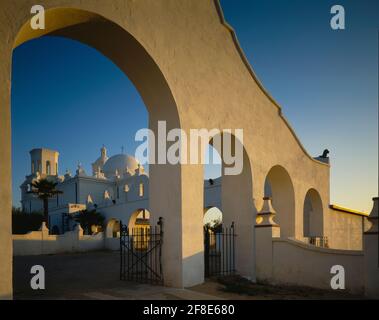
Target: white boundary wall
<point>40,242</point>
<point>297,263</point>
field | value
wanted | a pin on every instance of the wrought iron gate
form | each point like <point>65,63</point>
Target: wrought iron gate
<point>140,253</point>
<point>219,250</point>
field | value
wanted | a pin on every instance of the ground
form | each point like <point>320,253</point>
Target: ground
<point>237,288</point>
<point>95,275</point>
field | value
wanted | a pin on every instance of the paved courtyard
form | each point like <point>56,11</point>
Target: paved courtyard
<point>92,275</point>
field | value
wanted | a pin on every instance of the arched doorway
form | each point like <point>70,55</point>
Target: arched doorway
<point>279,187</point>
<point>139,229</point>
<point>112,230</point>
<point>312,215</point>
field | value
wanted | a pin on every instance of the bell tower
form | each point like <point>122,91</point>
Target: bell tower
<point>44,161</point>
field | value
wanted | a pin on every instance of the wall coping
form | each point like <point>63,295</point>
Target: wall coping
<point>306,246</point>
<point>347,210</point>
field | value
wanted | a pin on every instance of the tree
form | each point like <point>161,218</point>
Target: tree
<point>89,218</point>
<point>45,189</point>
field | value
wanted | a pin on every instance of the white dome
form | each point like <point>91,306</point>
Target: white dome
<point>122,163</point>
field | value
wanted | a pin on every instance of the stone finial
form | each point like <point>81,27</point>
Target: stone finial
<point>80,171</point>
<point>43,227</point>
<point>373,217</point>
<point>265,217</point>
<point>107,196</point>
<point>89,200</point>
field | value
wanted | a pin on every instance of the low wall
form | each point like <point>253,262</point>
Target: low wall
<point>40,242</point>
<point>297,263</point>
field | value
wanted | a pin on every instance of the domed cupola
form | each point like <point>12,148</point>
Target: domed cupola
<point>120,163</point>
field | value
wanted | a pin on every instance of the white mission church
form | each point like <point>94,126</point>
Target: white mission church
<point>118,188</point>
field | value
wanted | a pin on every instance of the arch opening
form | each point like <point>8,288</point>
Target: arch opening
<point>212,217</point>
<point>132,58</point>
<point>312,215</point>
<point>231,195</point>
<point>113,228</point>
<point>139,229</point>
<point>278,186</point>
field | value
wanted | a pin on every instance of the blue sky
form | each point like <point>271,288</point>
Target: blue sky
<point>326,82</point>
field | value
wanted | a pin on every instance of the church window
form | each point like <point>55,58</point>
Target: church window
<point>141,190</point>
<point>48,168</point>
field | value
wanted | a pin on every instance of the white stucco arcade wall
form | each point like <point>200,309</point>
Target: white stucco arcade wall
<point>185,61</point>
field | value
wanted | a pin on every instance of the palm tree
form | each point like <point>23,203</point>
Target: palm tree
<point>45,189</point>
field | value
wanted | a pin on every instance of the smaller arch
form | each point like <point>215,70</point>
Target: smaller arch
<point>139,228</point>
<point>212,216</point>
<point>278,185</point>
<point>139,218</point>
<point>312,214</point>
<point>113,228</point>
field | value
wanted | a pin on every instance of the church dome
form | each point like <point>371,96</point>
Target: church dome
<point>121,163</point>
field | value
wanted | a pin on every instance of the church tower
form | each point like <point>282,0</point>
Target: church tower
<point>99,163</point>
<point>44,161</point>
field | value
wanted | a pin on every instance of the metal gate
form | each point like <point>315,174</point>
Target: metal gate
<point>140,253</point>
<point>219,250</point>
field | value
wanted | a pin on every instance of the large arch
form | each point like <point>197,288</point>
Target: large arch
<point>312,214</point>
<point>131,57</point>
<point>279,186</point>
<point>237,201</point>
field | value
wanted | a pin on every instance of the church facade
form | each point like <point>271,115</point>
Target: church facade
<point>118,188</point>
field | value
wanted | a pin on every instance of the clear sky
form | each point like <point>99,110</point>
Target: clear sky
<point>326,82</point>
